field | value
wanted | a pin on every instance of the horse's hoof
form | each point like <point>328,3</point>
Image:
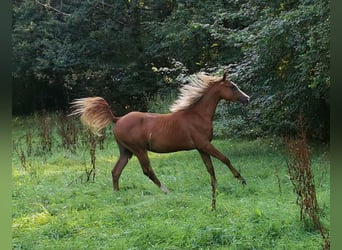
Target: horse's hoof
<point>164,189</point>
<point>243,182</point>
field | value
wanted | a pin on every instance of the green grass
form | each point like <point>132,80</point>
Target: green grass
<point>54,208</point>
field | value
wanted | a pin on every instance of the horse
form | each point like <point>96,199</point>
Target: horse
<point>188,126</point>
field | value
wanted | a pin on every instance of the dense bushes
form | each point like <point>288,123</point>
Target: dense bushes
<point>126,50</point>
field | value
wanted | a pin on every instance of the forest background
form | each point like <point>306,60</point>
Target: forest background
<point>129,51</point>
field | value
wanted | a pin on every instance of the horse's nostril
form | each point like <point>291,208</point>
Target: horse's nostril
<point>244,100</point>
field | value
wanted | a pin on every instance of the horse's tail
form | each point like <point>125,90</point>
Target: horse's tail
<point>94,112</point>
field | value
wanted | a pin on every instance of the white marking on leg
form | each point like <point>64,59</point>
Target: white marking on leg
<point>164,189</point>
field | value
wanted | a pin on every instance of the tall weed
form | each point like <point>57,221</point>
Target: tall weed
<point>302,178</point>
<point>68,131</point>
<point>45,130</point>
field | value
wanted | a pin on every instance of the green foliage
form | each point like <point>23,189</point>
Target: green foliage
<point>123,50</point>
<point>94,49</point>
<point>53,210</point>
<point>285,68</point>
<point>193,34</point>
<point>160,103</point>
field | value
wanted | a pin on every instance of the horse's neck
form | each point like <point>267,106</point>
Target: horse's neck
<point>206,106</point>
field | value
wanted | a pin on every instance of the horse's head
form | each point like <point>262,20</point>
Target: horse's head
<point>230,91</point>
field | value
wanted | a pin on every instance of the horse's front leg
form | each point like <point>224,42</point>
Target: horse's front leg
<point>208,163</point>
<point>211,150</point>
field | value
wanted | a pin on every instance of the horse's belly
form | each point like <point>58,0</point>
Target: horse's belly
<point>168,149</point>
<point>169,144</point>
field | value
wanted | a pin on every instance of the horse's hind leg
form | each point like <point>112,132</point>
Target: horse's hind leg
<point>125,155</point>
<point>147,169</point>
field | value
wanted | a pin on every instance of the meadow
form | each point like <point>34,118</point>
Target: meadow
<point>63,197</point>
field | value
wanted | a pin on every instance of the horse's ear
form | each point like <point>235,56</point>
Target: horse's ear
<point>224,76</point>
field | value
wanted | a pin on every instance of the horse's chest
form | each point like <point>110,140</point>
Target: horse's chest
<point>204,130</point>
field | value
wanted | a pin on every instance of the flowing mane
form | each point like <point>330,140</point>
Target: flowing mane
<point>193,91</point>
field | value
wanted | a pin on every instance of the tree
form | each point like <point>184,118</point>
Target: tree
<point>84,48</point>
<point>286,68</point>
<point>276,51</point>
<point>300,66</point>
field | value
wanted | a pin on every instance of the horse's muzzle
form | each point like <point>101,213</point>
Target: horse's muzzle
<point>244,100</point>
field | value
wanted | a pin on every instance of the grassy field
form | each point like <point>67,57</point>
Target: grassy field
<point>54,207</point>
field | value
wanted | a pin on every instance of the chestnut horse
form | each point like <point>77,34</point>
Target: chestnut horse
<point>188,126</point>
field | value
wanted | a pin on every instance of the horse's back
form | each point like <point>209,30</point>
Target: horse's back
<point>136,120</point>
<point>131,122</point>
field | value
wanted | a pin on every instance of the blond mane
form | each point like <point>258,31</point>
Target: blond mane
<point>193,91</point>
